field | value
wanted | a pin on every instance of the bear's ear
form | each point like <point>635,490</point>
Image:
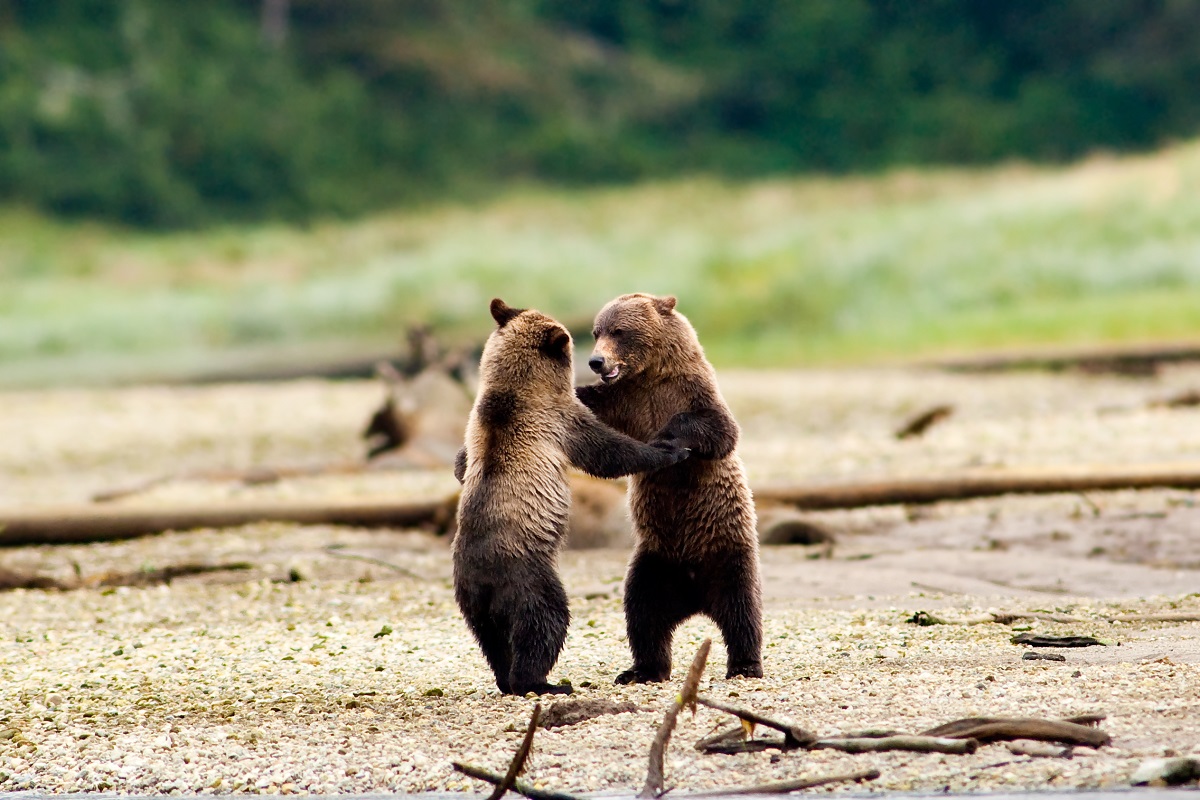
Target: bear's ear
<point>556,343</point>
<point>503,313</point>
<point>665,305</point>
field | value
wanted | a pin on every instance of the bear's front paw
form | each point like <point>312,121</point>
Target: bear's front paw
<point>671,450</point>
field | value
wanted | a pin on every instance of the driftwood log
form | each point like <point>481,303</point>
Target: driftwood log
<point>1007,729</point>
<point>968,487</point>
<point>81,524</point>
<point>89,523</point>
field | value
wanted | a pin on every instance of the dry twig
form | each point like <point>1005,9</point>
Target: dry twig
<point>518,787</point>
<point>509,779</point>
<point>518,762</point>
<point>793,735</point>
<point>1181,617</point>
<point>655,785</point>
<point>334,550</point>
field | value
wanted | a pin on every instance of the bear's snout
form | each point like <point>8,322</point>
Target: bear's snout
<point>596,364</point>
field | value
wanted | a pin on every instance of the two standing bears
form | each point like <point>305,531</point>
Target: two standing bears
<point>657,415</point>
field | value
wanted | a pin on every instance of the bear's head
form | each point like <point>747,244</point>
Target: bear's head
<point>639,333</point>
<point>527,349</point>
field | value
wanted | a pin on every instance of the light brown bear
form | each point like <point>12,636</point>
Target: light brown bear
<point>524,430</point>
<point>697,548</point>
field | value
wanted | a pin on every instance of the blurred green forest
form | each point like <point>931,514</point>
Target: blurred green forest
<point>182,114</point>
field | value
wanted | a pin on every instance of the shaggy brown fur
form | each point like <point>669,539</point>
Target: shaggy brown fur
<point>526,427</point>
<point>697,549</point>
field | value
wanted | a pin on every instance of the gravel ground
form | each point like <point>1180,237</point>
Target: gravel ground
<point>250,682</point>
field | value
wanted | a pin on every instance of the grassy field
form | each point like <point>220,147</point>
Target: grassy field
<point>911,263</point>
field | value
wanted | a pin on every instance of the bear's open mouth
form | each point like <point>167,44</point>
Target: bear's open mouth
<point>612,374</point>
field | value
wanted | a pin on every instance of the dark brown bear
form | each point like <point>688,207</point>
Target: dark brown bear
<point>525,428</point>
<point>697,549</point>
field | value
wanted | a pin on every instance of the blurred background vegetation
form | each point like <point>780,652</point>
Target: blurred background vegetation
<point>184,181</point>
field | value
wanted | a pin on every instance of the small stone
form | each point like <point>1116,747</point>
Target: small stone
<point>434,692</point>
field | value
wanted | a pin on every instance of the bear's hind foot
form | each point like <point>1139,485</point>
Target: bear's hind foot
<point>543,688</point>
<point>744,671</point>
<point>635,675</point>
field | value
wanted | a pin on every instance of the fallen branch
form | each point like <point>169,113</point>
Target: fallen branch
<point>518,786</point>
<point>1009,617</point>
<point>1042,640</point>
<point>90,524</point>
<point>1001,729</point>
<point>1035,749</point>
<point>914,744</point>
<point>785,787</point>
<point>518,761</point>
<point>1181,617</point>
<point>10,579</point>
<point>793,735</point>
<point>334,550</point>
<point>735,742</point>
<point>515,767</point>
<point>153,577</point>
<point>655,785</point>
<point>967,487</point>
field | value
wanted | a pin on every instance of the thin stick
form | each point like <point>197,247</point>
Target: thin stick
<point>794,736</point>
<point>655,785</point>
<point>333,550</point>
<point>784,787</point>
<point>518,760</point>
<point>518,786</point>
<point>1009,617</point>
<point>914,744</point>
<point>1182,617</point>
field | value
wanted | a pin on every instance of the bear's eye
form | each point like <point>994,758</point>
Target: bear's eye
<point>618,331</point>
<point>595,333</point>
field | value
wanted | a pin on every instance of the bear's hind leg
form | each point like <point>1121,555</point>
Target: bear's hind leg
<point>540,617</point>
<point>659,595</point>
<point>733,599</point>
<point>490,631</point>
<point>493,636</point>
